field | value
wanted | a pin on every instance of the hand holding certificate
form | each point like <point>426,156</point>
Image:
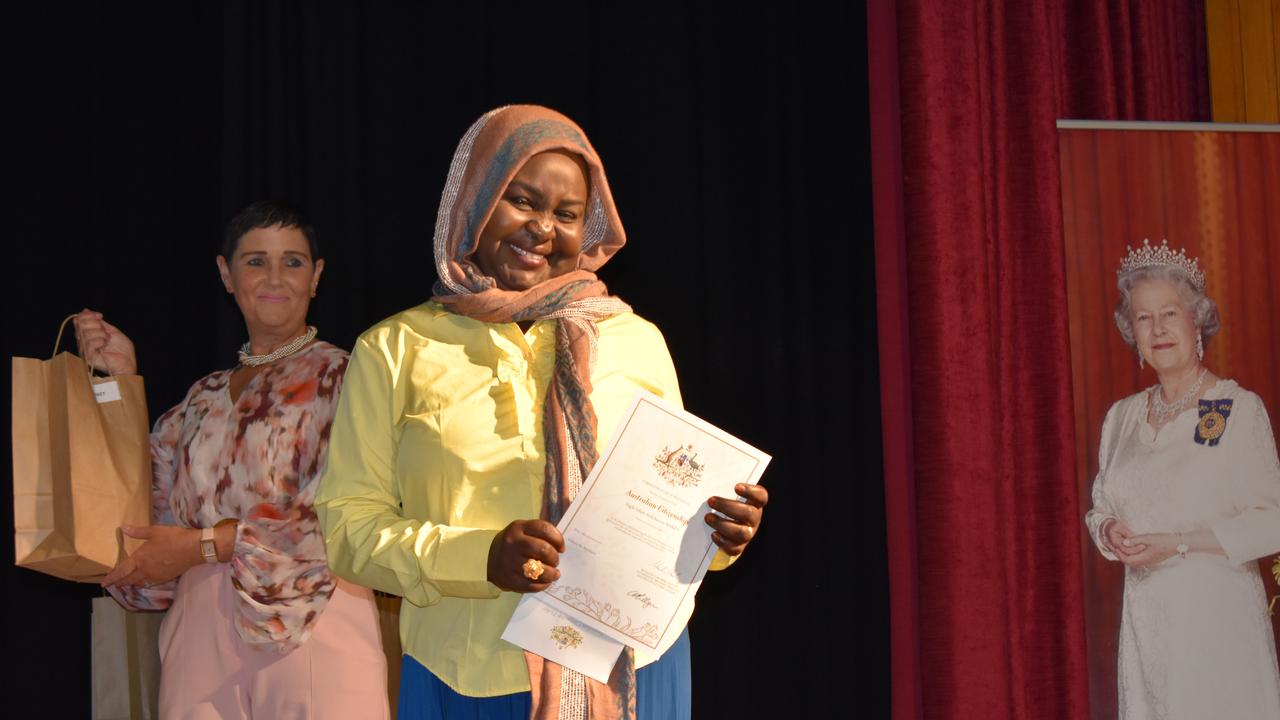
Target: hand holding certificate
<point>636,545</point>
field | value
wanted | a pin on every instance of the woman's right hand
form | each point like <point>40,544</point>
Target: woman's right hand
<point>515,545</point>
<point>167,551</point>
<point>103,346</point>
<point>1118,534</point>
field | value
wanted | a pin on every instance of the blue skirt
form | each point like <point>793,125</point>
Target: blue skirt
<point>663,692</point>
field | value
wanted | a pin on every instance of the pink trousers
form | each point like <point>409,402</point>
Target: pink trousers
<point>208,672</point>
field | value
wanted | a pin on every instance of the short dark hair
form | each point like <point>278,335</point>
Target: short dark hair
<point>266,214</point>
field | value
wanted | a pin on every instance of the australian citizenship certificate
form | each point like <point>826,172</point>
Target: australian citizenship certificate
<point>636,547</point>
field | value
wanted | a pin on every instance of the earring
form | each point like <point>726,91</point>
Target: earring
<point>1200,347</point>
<point>1140,365</point>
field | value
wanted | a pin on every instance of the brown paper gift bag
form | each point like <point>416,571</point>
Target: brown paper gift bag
<point>81,465</point>
<point>126,662</point>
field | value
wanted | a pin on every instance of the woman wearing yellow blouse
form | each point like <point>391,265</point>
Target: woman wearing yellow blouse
<point>467,423</point>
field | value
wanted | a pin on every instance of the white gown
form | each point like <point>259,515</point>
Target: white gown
<point>1195,636</point>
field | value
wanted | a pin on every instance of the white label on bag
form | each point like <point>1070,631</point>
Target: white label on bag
<point>107,392</point>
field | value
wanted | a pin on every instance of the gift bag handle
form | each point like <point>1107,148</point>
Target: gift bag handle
<point>62,327</point>
<point>88,366</point>
<point>58,342</point>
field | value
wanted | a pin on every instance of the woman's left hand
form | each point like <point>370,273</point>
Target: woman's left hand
<point>742,521</point>
<point>1159,547</point>
<point>168,552</point>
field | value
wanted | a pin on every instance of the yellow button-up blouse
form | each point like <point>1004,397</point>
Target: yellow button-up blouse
<point>437,445</point>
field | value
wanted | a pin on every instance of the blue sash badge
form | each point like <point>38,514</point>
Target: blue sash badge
<point>1213,421</point>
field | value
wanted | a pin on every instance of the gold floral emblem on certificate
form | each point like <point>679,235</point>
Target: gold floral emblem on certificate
<point>679,467</point>
<point>566,636</point>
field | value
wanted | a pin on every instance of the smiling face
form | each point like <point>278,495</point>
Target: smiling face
<point>1162,326</point>
<point>273,278</point>
<point>535,232</point>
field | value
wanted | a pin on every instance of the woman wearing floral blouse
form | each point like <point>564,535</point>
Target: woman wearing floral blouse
<point>258,627</point>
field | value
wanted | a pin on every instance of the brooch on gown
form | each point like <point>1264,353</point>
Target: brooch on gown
<point>1213,421</point>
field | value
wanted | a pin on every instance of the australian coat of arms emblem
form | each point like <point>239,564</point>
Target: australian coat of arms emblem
<point>566,636</point>
<point>680,466</point>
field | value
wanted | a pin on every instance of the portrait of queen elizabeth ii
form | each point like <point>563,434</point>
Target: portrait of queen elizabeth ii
<point>1187,497</point>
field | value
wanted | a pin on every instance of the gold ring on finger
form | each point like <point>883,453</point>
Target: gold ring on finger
<point>532,568</point>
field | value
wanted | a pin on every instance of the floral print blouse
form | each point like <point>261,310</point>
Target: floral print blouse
<point>256,460</point>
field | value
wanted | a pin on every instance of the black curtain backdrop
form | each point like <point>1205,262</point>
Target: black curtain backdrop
<point>736,143</point>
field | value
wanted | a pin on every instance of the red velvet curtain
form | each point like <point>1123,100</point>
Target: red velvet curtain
<point>983,520</point>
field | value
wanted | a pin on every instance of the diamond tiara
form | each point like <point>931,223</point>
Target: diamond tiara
<point>1147,256</point>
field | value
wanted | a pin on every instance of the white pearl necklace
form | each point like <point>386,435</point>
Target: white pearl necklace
<point>1162,411</point>
<point>290,348</point>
